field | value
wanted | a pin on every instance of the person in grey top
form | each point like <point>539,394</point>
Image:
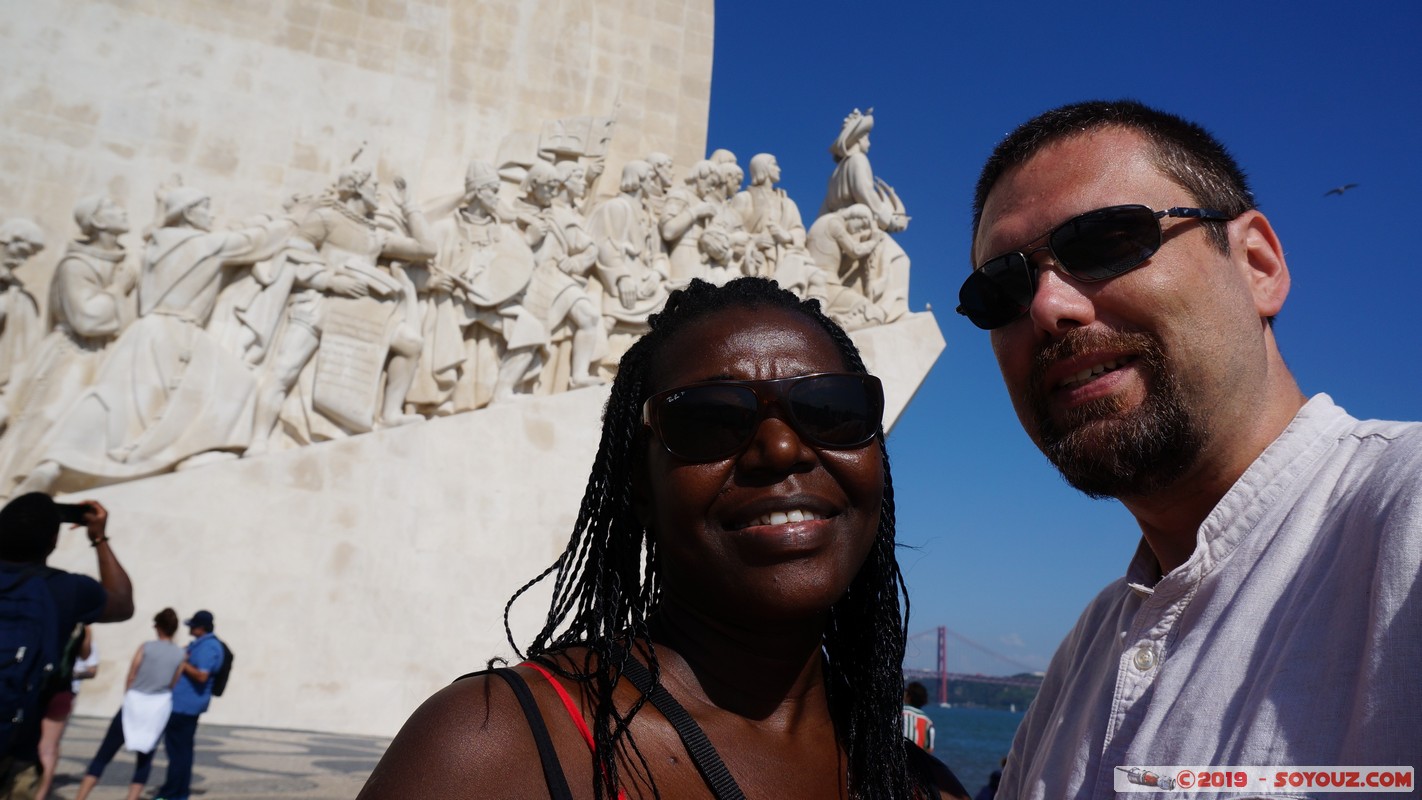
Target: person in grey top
<point>145,709</point>
<point>1270,616</point>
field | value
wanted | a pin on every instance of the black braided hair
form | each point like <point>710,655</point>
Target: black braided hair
<point>605,591</point>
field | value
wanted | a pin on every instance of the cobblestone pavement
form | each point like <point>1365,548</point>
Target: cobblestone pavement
<point>236,763</point>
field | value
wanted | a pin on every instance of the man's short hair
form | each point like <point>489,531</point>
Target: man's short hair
<point>916,695</point>
<point>29,528</point>
<point>1183,151</point>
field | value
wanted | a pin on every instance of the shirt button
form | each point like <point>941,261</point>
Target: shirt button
<point>1145,658</point>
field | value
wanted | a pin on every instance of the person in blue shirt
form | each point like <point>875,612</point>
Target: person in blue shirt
<point>190,698</point>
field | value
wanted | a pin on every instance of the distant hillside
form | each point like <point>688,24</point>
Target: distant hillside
<point>993,695</point>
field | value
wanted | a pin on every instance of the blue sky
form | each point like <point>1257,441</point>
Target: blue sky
<point>1307,95</point>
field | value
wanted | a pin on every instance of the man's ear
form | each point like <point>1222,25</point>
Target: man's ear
<point>1259,254</point>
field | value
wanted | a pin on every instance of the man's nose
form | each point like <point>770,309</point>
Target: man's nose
<point>1059,302</point>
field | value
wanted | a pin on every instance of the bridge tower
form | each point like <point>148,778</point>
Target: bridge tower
<point>942,663</point>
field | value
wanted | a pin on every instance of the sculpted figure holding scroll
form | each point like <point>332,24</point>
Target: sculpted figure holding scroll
<point>351,314</point>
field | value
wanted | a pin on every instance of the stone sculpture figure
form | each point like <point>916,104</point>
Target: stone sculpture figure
<point>579,182</point>
<point>631,266</point>
<point>478,278</point>
<point>777,232</point>
<point>352,318</point>
<point>707,238</point>
<point>90,303</point>
<point>563,255</point>
<point>664,178</point>
<point>20,326</point>
<point>844,245</point>
<point>721,156</point>
<point>167,394</point>
<point>852,182</point>
<point>250,317</point>
<point>732,176</point>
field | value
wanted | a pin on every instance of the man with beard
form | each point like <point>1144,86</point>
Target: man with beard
<point>1270,614</point>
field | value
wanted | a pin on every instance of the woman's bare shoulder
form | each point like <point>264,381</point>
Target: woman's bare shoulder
<point>464,741</point>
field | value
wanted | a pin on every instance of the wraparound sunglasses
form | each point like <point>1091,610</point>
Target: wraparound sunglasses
<point>713,420</point>
<point>1091,247</point>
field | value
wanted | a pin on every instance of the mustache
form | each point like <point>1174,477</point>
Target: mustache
<point>1081,341</point>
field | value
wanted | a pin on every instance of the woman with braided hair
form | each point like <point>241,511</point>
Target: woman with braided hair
<point>725,620</point>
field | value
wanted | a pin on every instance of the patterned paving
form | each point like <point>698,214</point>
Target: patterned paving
<point>237,763</point>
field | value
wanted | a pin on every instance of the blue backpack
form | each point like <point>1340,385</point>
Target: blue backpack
<point>29,647</point>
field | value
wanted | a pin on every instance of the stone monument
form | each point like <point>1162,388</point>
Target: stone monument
<point>352,421</point>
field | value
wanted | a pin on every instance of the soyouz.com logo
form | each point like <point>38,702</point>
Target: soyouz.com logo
<point>1263,779</point>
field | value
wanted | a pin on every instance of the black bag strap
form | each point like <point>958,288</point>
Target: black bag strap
<point>552,770</point>
<point>703,754</point>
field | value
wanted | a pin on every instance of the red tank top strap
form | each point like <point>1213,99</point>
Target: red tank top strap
<point>572,708</point>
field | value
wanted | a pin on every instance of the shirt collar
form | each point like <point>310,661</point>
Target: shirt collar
<point>1238,512</point>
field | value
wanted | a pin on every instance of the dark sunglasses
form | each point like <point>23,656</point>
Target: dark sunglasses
<point>1094,246</point>
<point>717,419</point>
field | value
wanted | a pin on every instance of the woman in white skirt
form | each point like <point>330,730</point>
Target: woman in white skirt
<point>146,706</point>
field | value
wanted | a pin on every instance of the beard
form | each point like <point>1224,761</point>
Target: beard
<point>1104,448</point>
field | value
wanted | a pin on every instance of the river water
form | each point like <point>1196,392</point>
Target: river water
<point>973,741</point>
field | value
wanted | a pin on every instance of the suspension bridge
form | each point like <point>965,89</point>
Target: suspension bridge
<point>941,676</point>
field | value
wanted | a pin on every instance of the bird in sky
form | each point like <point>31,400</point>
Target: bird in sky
<point>1339,189</point>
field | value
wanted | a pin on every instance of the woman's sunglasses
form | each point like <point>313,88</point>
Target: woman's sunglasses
<point>1091,247</point>
<point>717,419</point>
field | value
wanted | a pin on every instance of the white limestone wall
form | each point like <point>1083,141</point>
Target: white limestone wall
<point>355,578</point>
<point>254,100</point>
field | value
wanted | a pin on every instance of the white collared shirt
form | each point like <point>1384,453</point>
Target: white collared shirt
<point>1291,637</point>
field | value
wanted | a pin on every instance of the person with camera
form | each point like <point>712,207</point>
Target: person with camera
<point>39,606</point>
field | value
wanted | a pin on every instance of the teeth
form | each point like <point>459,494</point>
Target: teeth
<point>1087,374</point>
<point>782,517</point>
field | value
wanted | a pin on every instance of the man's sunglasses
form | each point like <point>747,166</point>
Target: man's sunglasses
<point>1091,247</point>
<point>714,420</point>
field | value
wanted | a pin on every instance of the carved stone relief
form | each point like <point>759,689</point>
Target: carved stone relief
<point>349,310</point>
<point>880,277</point>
